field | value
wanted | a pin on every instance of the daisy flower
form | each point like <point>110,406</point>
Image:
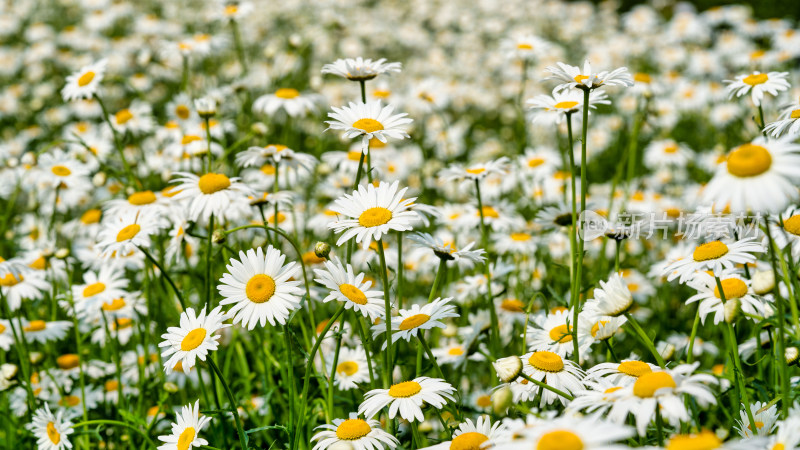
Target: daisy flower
<point>354,290</point>
<point>186,429</point>
<point>575,77</point>
<point>612,298</point>
<point>50,430</point>
<point>359,434</point>
<point>407,398</point>
<point>765,416</point>
<point>194,338</point>
<point>475,172</point>
<point>360,69</point>
<point>553,109</point>
<point>620,374</point>
<point>43,332</point>
<point>6,337</point>
<point>760,176</point>
<point>448,251</point>
<point>525,47</point>
<point>714,256</point>
<point>289,100</point>
<point>351,368</point>
<point>30,286</point>
<point>99,288</point>
<point>786,232</point>
<point>568,433</point>
<point>370,120</point>
<point>738,294</point>
<point>260,287</point>
<point>130,231</point>
<point>211,193</point>
<point>83,83</point>
<point>553,334</point>
<point>788,122</point>
<point>757,84</point>
<point>552,369</point>
<point>472,435</point>
<point>664,389</point>
<point>788,435</point>
<point>409,322</point>
<point>373,212</point>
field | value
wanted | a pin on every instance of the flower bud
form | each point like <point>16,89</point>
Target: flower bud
<point>171,387</point>
<point>501,400</point>
<point>763,282</point>
<point>322,249</point>
<point>99,179</point>
<point>791,354</point>
<point>36,357</point>
<point>508,368</point>
<point>259,129</point>
<point>218,236</point>
<point>62,253</point>
<point>732,308</point>
<point>206,107</point>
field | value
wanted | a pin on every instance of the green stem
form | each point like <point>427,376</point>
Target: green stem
<point>117,143</point>
<point>547,386</point>
<point>24,359</point>
<point>428,351</point>
<point>87,423</point>
<point>781,317</point>
<point>209,284</point>
<point>333,372</point>
<point>695,326</point>
<point>576,306</point>
<point>387,379</point>
<point>438,278</point>
<point>645,340</point>
<point>233,406</point>
<point>166,276</point>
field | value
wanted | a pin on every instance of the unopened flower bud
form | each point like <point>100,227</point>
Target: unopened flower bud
<point>259,129</point>
<point>322,249</point>
<point>8,371</point>
<point>502,399</point>
<point>62,253</point>
<point>508,368</point>
<point>218,236</point>
<point>36,357</point>
<point>99,179</point>
<point>732,308</point>
<point>763,282</point>
<point>206,107</point>
<point>791,354</point>
<point>171,387</point>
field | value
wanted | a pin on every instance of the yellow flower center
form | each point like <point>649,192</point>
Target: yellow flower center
<point>565,105</point>
<point>710,250</point>
<point>596,327</point>
<point>455,351</point>
<point>414,321</point>
<point>368,125</point>
<point>524,46</point>
<point>268,169</point>
<point>2,328</point>
<point>39,264</point>
<point>484,401</point>
<point>580,78</point>
<point>231,9</point>
<point>123,116</point>
<point>128,232</point>
<point>182,111</point>
<point>405,389</point>
<point>68,361</point>
<point>640,77</point>
<point>353,294</point>
<point>759,425</point>
<point>287,93</point>
<point>93,289</point>
<point>260,288</point>
<point>352,429</point>
<point>189,138</point>
<point>634,368</point>
<point>732,288</point>
<point>374,217</point>
<point>756,78</point>
<point>749,160</point>
<point>193,339</point>
<point>142,198</point>
<point>476,171</point>
<point>795,114</point>
<point>36,325</point>
<point>535,162</point>
<point>10,280</point>
<point>705,440</point>
<point>91,216</point>
<point>546,361</point>
<point>61,171</point>
<point>53,434</point>
<point>86,78</point>
<point>186,438</point>
<point>671,149</point>
<point>115,305</point>
<point>560,440</point>
<point>468,441</point>
<point>348,368</point>
<point>213,182</point>
<point>778,446</point>
<point>561,334</point>
<point>649,383</point>
<point>522,237</point>
<point>69,401</point>
<point>512,305</point>
<point>488,211</point>
<point>792,225</point>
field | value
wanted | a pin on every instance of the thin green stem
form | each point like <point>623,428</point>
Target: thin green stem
<point>166,276</point>
<point>387,379</point>
<point>645,340</point>
<point>547,386</point>
<point>695,326</point>
<point>87,423</point>
<point>233,406</point>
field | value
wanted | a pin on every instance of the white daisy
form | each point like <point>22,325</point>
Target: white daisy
<point>757,84</point>
<point>84,83</point>
<point>407,398</point>
<point>737,291</point>
<point>551,369</point>
<point>714,256</point>
<point>30,286</point>
<point>289,100</point>
<point>351,368</point>
<point>553,109</point>
<point>211,193</point>
<point>471,435</point>
<point>373,212</point>
<point>359,434</point>
<point>409,322</point>
<point>43,332</point>
<point>765,417</point>
<point>552,333</point>
<point>567,433</point>
<point>51,430</point>
<point>186,429</point>
<point>370,120</point>
<point>612,298</point>
<point>572,76</point>
<point>194,338</point>
<point>620,374</point>
<point>260,287</point>
<point>126,233</point>
<point>354,290</point>
<point>360,69</point>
